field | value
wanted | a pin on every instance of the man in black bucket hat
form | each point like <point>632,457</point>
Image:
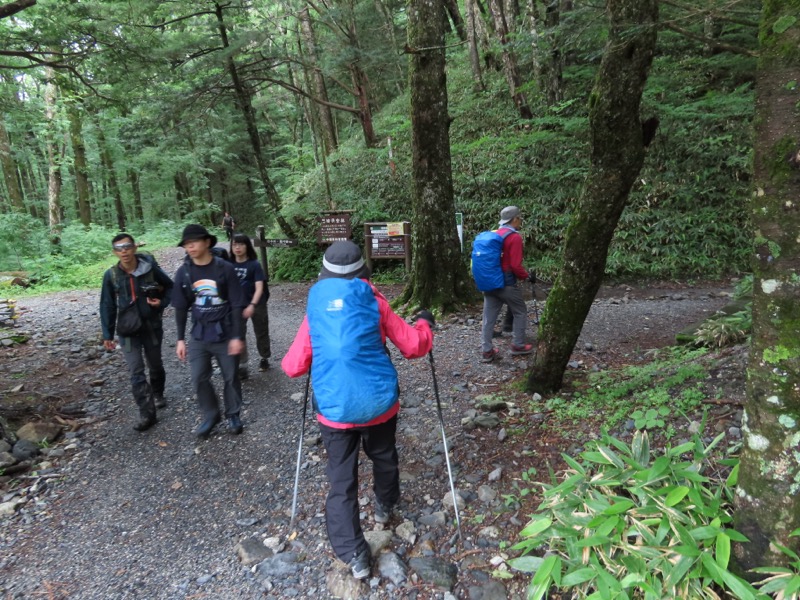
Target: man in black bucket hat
<point>208,287</point>
<point>342,341</point>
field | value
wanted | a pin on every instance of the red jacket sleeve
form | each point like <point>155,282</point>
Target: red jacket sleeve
<point>512,256</point>
<point>298,359</point>
<point>412,341</point>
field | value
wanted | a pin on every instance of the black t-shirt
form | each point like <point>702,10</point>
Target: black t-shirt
<point>249,272</point>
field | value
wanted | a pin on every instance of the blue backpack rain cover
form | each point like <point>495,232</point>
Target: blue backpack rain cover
<point>353,378</point>
<point>487,248</point>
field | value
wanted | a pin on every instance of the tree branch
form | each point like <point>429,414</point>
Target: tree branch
<point>709,41</point>
<point>12,8</point>
<point>296,90</point>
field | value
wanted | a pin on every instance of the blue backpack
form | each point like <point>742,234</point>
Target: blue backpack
<point>354,379</point>
<point>487,248</point>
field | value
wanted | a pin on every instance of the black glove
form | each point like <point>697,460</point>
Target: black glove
<point>532,276</point>
<point>428,316</point>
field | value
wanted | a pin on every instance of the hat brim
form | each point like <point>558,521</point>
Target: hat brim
<point>213,239</point>
<point>362,273</point>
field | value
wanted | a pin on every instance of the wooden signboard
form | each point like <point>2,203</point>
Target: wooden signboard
<point>388,241</point>
<point>334,227</point>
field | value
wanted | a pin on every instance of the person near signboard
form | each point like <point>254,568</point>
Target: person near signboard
<point>342,342</point>
<point>256,291</point>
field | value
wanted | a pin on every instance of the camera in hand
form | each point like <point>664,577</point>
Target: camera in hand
<point>153,290</point>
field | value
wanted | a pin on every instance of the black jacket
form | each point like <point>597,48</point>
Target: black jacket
<point>116,292</point>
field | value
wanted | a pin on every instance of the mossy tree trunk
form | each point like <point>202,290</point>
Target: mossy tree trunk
<point>439,276</point>
<point>768,493</point>
<point>617,156</point>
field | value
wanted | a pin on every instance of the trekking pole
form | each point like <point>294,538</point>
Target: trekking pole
<point>444,441</point>
<point>299,455</point>
<point>536,311</point>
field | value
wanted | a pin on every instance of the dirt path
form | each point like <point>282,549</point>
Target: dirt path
<point>121,514</point>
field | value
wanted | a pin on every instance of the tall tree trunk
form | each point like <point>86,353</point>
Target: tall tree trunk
<point>183,191</point>
<point>767,499</point>
<point>617,156</point>
<point>438,277</point>
<point>509,60</point>
<point>547,57</point>
<point>111,176</point>
<point>389,27</point>
<point>79,161</point>
<point>53,161</point>
<point>10,174</point>
<point>451,6</point>
<point>324,113</point>
<point>138,209</point>
<point>472,41</point>
<point>243,100</point>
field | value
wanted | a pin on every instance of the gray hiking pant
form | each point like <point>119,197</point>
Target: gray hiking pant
<point>200,354</point>
<point>492,303</point>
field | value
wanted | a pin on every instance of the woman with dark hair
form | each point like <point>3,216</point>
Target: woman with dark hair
<point>254,285</point>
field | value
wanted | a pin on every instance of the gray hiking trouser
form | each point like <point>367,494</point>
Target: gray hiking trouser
<point>200,354</point>
<point>137,350</point>
<point>492,303</point>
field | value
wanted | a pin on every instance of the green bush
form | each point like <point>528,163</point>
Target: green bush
<point>624,524</point>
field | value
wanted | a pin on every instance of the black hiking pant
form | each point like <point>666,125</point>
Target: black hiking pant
<point>138,350</point>
<point>341,507</point>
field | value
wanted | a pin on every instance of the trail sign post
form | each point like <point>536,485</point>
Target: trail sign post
<point>263,243</point>
<point>334,227</point>
<point>388,241</point>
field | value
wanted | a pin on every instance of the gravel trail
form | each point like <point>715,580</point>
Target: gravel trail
<point>159,514</point>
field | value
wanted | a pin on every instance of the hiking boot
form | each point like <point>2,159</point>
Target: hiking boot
<point>145,423</point>
<point>243,373</point>
<point>382,512</point>
<point>159,401</point>
<point>519,350</point>
<point>235,425</point>
<point>263,365</point>
<point>204,429</point>
<point>359,564</point>
<point>488,357</point>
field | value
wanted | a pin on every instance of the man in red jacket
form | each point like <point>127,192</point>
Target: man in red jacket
<point>342,341</point>
<point>511,294</point>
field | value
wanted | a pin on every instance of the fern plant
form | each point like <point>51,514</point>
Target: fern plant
<point>625,525</point>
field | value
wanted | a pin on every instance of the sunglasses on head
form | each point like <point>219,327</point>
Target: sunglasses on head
<point>125,246</point>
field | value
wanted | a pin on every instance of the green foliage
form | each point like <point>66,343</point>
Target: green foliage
<point>22,240</point>
<point>626,524</point>
<point>782,583</point>
<point>725,330</point>
<point>650,418</point>
<point>84,255</point>
<point>613,396</point>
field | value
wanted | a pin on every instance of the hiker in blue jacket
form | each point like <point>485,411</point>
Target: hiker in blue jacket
<point>510,294</point>
<point>342,342</point>
<point>208,287</point>
<point>133,297</point>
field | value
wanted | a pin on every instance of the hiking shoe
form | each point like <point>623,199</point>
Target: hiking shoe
<point>488,357</point>
<point>204,429</point>
<point>359,564</point>
<point>382,512</point>
<point>263,365</point>
<point>519,350</point>
<point>145,423</point>
<point>235,425</point>
<point>159,401</point>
